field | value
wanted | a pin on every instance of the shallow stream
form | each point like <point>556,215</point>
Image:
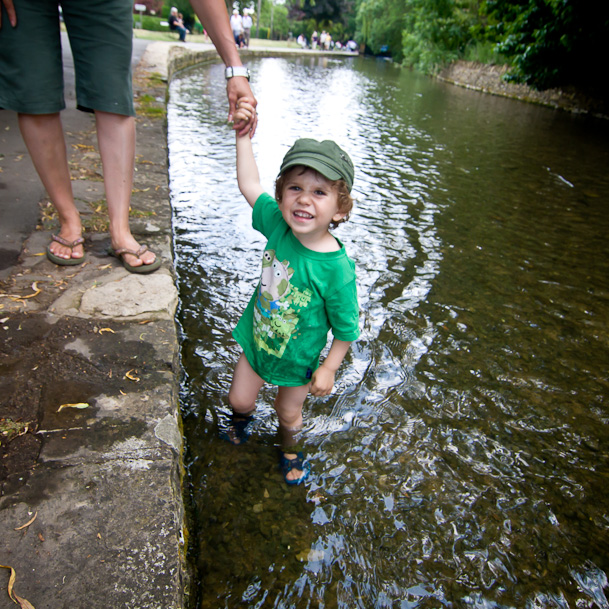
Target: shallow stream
<point>462,460</point>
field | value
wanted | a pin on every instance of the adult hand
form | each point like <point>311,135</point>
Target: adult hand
<point>10,9</point>
<point>238,87</point>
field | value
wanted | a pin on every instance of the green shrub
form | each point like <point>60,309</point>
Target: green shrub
<point>150,23</point>
<point>265,33</point>
<point>483,52</point>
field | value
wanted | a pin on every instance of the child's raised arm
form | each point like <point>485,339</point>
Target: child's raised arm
<point>248,177</point>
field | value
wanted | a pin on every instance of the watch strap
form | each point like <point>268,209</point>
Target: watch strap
<point>237,71</point>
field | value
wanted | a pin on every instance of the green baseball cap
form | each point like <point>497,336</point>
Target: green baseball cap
<point>326,157</point>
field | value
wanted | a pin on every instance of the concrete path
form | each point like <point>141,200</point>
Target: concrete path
<point>102,506</point>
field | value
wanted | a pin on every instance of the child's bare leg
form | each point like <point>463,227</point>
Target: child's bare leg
<point>288,405</point>
<point>244,388</point>
<point>242,397</point>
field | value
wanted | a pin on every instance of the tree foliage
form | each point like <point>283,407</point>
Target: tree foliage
<point>548,43</point>
<point>435,32</point>
<point>423,34</point>
<point>380,25</point>
<point>551,42</point>
<point>323,12</point>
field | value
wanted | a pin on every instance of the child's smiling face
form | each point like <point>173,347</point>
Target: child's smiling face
<point>309,203</point>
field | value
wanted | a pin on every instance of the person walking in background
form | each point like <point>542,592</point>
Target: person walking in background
<point>31,83</point>
<point>176,24</point>
<point>247,26</point>
<point>236,24</point>
<point>307,287</point>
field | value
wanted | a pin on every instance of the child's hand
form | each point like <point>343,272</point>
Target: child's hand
<point>322,381</point>
<point>243,116</point>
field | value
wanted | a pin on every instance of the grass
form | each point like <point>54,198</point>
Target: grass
<point>149,106</point>
<point>9,429</point>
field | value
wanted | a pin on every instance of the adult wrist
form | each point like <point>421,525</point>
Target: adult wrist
<point>231,71</point>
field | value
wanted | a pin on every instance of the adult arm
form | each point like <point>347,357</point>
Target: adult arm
<point>322,382</point>
<point>214,18</point>
<point>10,9</point>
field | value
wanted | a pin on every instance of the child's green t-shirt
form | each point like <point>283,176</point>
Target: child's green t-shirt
<point>301,295</point>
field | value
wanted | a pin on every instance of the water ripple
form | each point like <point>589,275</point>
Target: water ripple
<point>462,459</point>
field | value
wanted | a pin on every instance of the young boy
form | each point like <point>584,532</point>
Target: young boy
<point>307,286</point>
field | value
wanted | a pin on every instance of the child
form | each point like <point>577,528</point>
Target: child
<point>307,286</point>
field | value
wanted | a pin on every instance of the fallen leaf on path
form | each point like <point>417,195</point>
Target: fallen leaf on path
<point>36,289</point>
<point>23,603</point>
<point>101,330</point>
<point>79,405</point>
<point>28,523</point>
<point>132,377</point>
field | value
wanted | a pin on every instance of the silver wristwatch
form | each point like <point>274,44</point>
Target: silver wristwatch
<point>237,71</point>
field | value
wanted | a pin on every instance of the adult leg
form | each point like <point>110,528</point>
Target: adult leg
<point>116,138</point>
<point>44,138</point>
<point>288,405</point>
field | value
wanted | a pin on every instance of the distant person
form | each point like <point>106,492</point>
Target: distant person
<point>181,18</point>
<point>314,39</point>
<point>176,24</point>
<point>322,40</point>
<point>307,287</point>
<point>247,22</point>
<point>236,24</point>
<point>31,83</point>
<point>302,41</point>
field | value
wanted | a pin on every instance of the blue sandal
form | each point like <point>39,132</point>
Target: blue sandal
<point>287,465</point>
<point>237,432</point>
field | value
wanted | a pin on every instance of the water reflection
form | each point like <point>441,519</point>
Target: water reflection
<point>462,461</point>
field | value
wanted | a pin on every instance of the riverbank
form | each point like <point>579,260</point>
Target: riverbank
<point>91,499</point>
<point>489,79</point>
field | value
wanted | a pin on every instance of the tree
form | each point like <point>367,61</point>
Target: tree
<point>323,12</point>
<point>422,34</point>
<point>278,14</point>
<point>435,32</point>
<point>380,24</point>
<point>551,42</point>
